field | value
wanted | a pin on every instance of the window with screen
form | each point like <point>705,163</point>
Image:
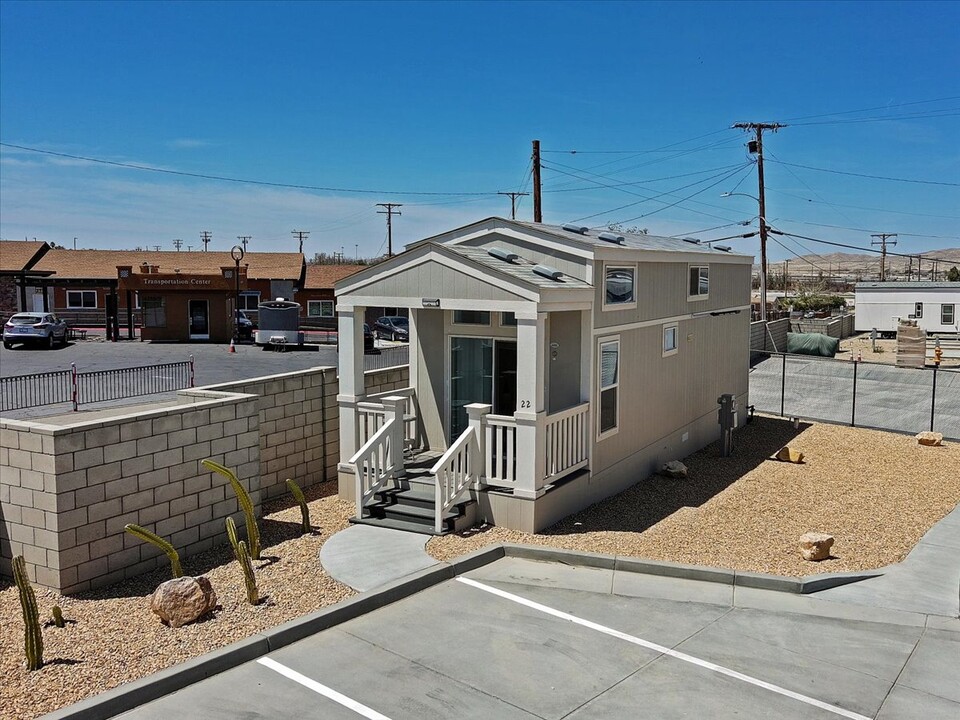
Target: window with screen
<point>609,390</point>
<point>699,282</point>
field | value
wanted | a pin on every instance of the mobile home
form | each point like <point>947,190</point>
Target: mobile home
<point>550,367</point>
<point>933,305</point>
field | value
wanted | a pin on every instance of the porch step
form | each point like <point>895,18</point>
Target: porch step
<point>395,524</point>
<point>409,505</point>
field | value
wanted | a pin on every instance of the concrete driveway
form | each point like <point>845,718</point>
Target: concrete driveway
<point>524,639</point>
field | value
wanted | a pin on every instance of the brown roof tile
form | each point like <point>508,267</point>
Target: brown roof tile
<point>102,264</point>
<point>16,254</point>
<point>322,277</point>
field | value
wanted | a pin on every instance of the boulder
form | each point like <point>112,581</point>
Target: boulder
<point>674,469</point>
<point>815,546</point>
<point>931,439</point>
<point>183,600</point>
<point>788,454</point>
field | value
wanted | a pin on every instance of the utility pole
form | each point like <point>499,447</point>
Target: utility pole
<point>301,236</point>
<point>205,237</point>
<point>244,239</point>
<point>882,242</point>
<point>389,213</point>
<point>786,268</point>
<point>756,146</point>
<point>513,202</point>
<point>537,199</point>
<point>909,268</point>
<point>178,243</point>
<point>156,248</point>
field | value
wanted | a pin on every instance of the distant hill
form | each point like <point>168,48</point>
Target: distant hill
<point>865,266</point>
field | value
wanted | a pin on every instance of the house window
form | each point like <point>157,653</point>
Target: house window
<point>669,340</point>
<point>918,310</point>
<point>508,319</point>
<point>154,312</point>
<point>618,286</point>
<point>609,364</point>
<point>471,317</point>
<point>249,300</point>
<point>946,314</point>
<point>77,299</point>
<point>699,282</point>
<point>320,308</point>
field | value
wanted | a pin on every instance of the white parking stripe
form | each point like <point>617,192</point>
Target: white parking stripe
<point>664,650</point>
<point>349,703</point>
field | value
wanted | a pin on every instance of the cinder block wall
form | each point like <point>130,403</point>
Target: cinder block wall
<point>68,488</point>
<point>299,426</point>
<point>381,381</point>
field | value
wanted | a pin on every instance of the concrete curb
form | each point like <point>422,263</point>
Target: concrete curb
<point>139,692</point>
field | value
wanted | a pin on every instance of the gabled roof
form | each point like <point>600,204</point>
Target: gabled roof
<point>521,269</point>
<point>588,240</point>
<point>19,255</point>
<point>102,264</point>
<point>322,277</point>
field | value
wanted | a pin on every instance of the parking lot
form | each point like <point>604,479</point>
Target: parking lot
<point>524,639</point>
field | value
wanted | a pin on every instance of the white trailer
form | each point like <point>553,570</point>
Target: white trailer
<point>279,324</point>
<point>881,305</point>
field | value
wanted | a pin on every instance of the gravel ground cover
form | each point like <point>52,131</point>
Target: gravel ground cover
<point>877,493</point>
<point>113,637</point>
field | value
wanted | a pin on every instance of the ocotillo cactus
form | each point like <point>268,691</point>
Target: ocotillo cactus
<point>302,501</point>
<point>58,617</point>
<point>253,533</point>
<point>32,632</point>
<point>253,595</point>
<point>149,537</point>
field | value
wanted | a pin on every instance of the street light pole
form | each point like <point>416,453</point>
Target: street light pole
<point>237,254</point>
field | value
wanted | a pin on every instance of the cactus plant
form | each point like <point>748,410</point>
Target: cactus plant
<point>253,533</point>
<point>58,617</point>
<point>149,537</point>
<point>243,557</point>
<point>32,632</point>
<point>302,501</point>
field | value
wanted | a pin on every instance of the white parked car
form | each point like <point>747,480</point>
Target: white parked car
<point>43,329</point>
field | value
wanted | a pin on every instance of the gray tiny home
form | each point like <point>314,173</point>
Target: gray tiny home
<point>550,367</point>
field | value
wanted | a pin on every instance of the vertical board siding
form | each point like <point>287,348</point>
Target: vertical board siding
<point>431,279</point>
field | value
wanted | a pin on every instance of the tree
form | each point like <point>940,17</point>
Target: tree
<point>953,274</point>
<point>635,230</point>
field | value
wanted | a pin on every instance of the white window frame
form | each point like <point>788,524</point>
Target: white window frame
<point>667,352</point>
<point>619,305</point>
<point>953,314</point>
<point>321,303</point>
<point>244,305</point>
<point>698,295</point>
<point>81,306</point>
<point>601,343</point>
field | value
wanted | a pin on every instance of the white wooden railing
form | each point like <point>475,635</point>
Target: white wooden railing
<point>371,414</point>
<point>374,463</point>
<point>500,434</point>
<point>454,473</point>
<point>566,441</point>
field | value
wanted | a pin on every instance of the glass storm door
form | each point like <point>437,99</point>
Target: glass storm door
<point>199,320</point>
<point>482,370</point>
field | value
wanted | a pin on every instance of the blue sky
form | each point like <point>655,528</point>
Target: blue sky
<point>445,97</point>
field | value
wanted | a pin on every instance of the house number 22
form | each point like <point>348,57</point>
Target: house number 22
<point>524,403</point>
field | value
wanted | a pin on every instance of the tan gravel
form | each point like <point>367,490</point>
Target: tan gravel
<point>877,493</point>
<point>886,351</point>
<point>112,637</point>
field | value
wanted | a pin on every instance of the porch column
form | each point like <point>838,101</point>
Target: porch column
<point>476,414</point>
<point>350,365</point>
<point>531,410</point>
<point>395,407</point>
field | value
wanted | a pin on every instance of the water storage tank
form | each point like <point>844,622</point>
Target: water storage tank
<point>279,322</point>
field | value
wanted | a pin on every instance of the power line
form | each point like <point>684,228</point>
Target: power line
<point>640,182</point>
<point>866,230</point>
<point>389,213</point>
<point>716,227</point>
<point>513,202</point>
<point>882,242</point>
<point>863,249</point>
<point>223,178</point>
<point>871,109</point>
<point>301,236</point>
<point>636,152</point>
<point>861,207</point>
<point>946,112</point>
<point>863,175</point>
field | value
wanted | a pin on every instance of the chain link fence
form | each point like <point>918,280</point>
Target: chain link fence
<point>857,393</point>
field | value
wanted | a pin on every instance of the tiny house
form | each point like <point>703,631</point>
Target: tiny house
<point>550,367</point>
<point>882,305</point>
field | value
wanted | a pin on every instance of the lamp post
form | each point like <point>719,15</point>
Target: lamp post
<point>237,254</point>
<point>763,250</point>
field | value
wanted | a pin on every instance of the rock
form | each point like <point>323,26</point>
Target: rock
<point>815,546</point>
<point>931,439</point>
<point>674,469</point>
<point>183,600</point>
<point>788,454</point>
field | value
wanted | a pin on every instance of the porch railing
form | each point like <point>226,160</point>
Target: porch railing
<point>567,441</point>
<point>371,415</point>
<point>373,464</point>
<point>501,450</point>
<point>454,473</point>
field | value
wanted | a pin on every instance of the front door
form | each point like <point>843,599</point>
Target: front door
<point>38,303</point>
<point>482,370</point>
<point>199,319</point>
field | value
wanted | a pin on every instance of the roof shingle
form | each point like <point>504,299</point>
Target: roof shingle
<point>15,255</point>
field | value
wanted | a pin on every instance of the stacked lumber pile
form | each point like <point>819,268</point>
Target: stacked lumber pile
<point>911,344</point>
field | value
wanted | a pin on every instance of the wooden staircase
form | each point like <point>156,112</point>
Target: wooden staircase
<point>408,503</point>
